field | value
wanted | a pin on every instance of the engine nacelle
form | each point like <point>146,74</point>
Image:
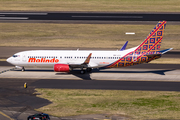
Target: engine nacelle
<point>61,68</point>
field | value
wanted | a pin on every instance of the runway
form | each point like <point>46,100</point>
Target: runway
<point>18,103</point>
<point>86,16</point>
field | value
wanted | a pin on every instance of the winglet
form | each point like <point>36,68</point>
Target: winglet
<point>124,46</point>
<point>87,59</point>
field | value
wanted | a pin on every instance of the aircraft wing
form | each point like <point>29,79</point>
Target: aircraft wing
<point>80,65</point>
<point>87,59</point>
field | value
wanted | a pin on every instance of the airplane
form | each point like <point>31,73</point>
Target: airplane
<point>86,60</point>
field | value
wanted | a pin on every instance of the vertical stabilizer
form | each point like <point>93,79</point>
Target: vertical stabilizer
<point>152,43</point>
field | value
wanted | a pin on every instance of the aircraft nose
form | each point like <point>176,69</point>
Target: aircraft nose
<point>9,60</point>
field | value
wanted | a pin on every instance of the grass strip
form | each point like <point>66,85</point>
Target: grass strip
<point>91,5</point>
<point>82,35</point>
<point>135,104</point>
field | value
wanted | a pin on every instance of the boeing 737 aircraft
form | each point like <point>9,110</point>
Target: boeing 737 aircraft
<point>86,60</point>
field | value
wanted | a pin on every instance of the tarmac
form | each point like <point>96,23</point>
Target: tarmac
<point>107,74</point>
<point>17,103</point>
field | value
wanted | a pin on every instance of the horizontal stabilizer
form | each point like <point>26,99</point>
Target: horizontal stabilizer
<point>124,46</point>
<point>166,50</point>
<point>151,54</point>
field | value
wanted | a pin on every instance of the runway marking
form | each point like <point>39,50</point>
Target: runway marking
<point>14,18</point>
<point>6,115</point>
<point>130,33</point>
<point>7,70</point>
<point>14,112</point>
<point>101,119</point>
<point>112,16</point>
<point>25,13</point>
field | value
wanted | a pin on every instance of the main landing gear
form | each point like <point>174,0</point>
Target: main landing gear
<point>84,71</point>
<point>89,69</point>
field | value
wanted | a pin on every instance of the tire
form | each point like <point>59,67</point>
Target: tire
<point>89,69</point>
<point>82,71</point>
<point>23,69</point>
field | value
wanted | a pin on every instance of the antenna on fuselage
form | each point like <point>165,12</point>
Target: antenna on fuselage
<point>78,49</point>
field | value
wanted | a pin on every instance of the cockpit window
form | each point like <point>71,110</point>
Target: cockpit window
<point>15,56</point>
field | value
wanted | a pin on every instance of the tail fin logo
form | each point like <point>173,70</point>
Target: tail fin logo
<point>153,40</point>
<point>152,43</point>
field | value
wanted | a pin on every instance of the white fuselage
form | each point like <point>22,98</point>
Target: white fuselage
<point>48,58</point>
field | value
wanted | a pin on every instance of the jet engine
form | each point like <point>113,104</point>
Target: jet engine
<point>61,68</point>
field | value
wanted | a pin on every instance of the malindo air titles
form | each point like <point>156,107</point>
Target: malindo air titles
<point>43,60</point>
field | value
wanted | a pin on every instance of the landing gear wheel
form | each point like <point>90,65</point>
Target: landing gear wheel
<point>89,69</point>
<point>82,71</point>
<point>23,69</point>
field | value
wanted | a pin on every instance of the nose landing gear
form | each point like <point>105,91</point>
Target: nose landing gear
<point>23,69</point>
